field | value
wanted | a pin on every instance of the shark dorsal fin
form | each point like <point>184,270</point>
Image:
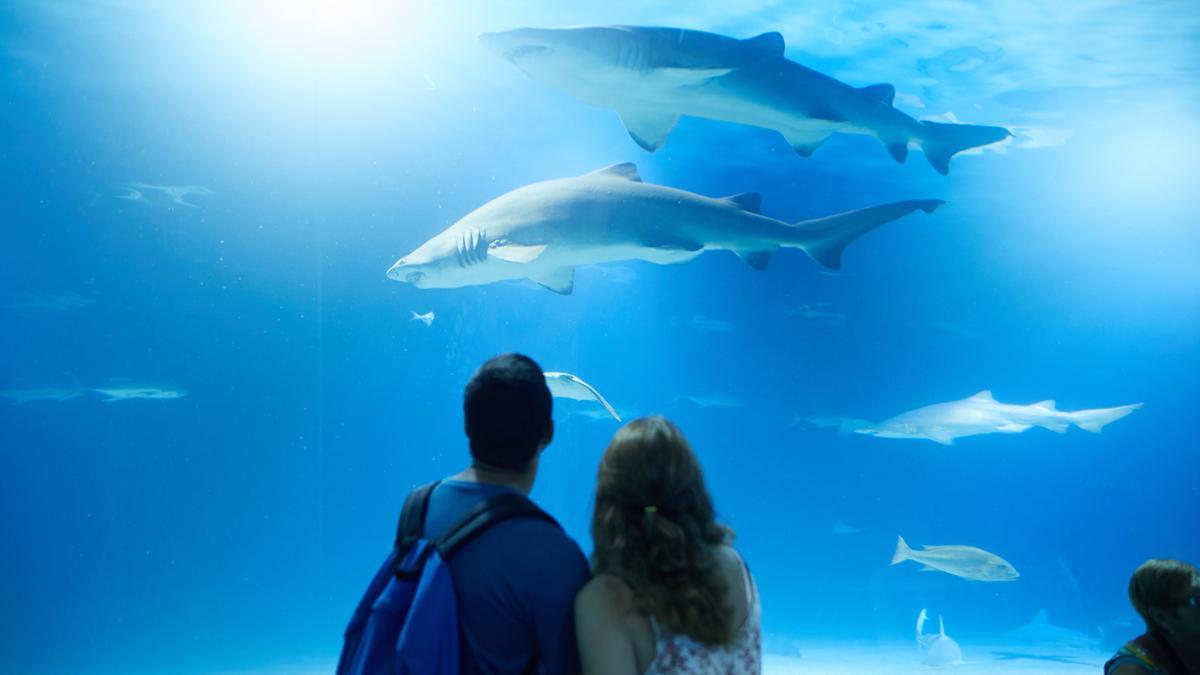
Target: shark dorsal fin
<point>884,93</point>
<point>985,395</point>
<point>626,170</point>
<point>941,626</point>
<point>1048,404</point>
<point>746,201</point>
<point>770,44</point>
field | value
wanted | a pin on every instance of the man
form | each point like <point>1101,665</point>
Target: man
<point>516,581</point>
<point>1166,593</point>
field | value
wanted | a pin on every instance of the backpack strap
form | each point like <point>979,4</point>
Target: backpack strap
<point>412,518</point>
<point>484,515</point>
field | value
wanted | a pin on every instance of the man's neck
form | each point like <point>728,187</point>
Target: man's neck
<point>521,481</point>
<point>1188,652</point>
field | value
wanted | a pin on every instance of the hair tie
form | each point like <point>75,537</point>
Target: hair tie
<point>651,509</point>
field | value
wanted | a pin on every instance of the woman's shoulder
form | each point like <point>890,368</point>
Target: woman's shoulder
<point>606,592</point>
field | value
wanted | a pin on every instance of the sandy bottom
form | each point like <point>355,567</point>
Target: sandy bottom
<point>904,659</point>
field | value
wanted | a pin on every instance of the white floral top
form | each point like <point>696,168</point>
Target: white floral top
<point>675,654</point>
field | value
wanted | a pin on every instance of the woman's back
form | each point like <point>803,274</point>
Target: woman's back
<point>624,640</point>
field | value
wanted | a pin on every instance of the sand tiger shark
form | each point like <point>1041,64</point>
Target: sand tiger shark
<point>983,414</point>
<point>652,76</point>
<point>545,230</point>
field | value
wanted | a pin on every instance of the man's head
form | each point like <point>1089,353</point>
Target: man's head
<point>1167,595</point>
<point>506,407</point>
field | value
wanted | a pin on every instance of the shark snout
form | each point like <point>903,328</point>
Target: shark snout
<point>512,45</point>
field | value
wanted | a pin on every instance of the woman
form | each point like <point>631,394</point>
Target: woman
<point>1167,595</point>
<point>670,594</point>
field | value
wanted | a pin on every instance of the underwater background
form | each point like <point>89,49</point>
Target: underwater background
<point>233,528</point>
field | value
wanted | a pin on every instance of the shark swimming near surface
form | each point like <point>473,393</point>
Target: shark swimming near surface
<point>651,76</point>
<point>967,562</point>
<point>122,389</point>
<point>983,414</point>
<point>545,230</point>
<point>566,385</point>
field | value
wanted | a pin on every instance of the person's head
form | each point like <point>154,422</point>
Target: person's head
<point>654,527</point>
<point>1166,593</point>
<point>506,411</point>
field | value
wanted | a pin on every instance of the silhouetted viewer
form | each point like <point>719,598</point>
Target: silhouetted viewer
<point>480,579</point>
<point>1167,595</point>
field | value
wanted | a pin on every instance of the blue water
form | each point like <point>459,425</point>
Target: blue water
<point>232,529</point>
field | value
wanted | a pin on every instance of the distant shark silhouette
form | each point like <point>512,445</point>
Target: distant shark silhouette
<point>651,76</point>
<point>545,230</point>
<point>983,414</point>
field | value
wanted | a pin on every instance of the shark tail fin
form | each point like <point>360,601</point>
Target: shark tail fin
<point>941,141</point>
<point>1095,420</point>
<point>902,551</point>
<point>824,239</point>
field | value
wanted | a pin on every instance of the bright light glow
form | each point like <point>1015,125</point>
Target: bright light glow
<point>324,34</point>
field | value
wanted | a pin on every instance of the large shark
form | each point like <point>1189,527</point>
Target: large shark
<point>651,76</point>
<point>983,414</point>
<point>543,231</point>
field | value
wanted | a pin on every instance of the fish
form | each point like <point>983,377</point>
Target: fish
<point>22,396</point>
<point>1040,632</point>
<point>426,318</point>
<point>714,401</point>
<point>651,76</point>
<point>940,649</point>
<point>983,414</point>
<point>122,389</point>
<point>60,302</point>
<point>844,425</point>
<point>545,230</point>
<point>566,385</point>
<point>840,527</point>
<point>178,194</point>
<point>967,562</point>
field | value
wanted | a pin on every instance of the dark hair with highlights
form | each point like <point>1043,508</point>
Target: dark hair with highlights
<point>1160,584</point>
<point>506,411</point>
<point>654,527</point>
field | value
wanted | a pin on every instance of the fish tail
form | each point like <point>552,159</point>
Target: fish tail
<point>1095,420</point>
<point>824,239</point>
<point>902,551</point>
<point>941,141</point>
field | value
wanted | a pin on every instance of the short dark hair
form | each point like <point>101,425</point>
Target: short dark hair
<point>506,410</point>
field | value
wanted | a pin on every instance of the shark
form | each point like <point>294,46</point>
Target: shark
<point>178,194</point>
<point>566,385</point>
<point>426,318</point>
<point>967,562</point>
<point>940,649</point>
<point>651,76</point>
<point>122,389</point>
<point>545,230</point>
<point>983,414</point>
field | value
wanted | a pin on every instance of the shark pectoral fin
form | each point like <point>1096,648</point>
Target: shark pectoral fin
<point>1012,428</point>
<point>649,129</point>
<point>927,568</point>
<point>943,437</point>
<point>1056,427</point>
<point>561,280</point>
<point>516,253</point>
<point>746,201</point>
<point>884,93</point>
<point>806,143</point>
<point>756,259</point>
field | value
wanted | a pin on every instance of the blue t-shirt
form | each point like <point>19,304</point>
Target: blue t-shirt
<point>516,585</point>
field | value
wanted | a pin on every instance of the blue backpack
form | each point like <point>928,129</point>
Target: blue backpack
<point>407,621</point>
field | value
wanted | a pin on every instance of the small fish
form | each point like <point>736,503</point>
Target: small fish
<point>940,650</point>
<point>178,194</point>
<point>844,425</point>
<point>124,390</point>
<point>967,562</point>
<point>426,318</point>
<point>840,527</point>
<point>714,401</point>
<point>566,385</point>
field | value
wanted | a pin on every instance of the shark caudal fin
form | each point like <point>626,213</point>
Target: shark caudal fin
<point>902,551</point>
<point>824,239</point>
<point>1095,420</point>
<point>941,141</point>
